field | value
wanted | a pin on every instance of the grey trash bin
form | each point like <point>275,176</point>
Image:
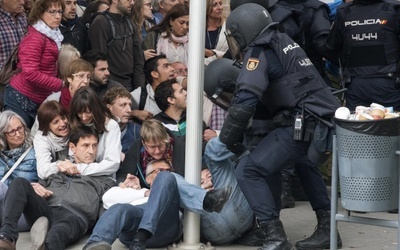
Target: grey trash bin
<point>368,165</point>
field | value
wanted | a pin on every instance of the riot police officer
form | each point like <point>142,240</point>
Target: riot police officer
<point>365,34</point>
<point>284,17</point>
<point>312,17</point>
<point>277,73</point>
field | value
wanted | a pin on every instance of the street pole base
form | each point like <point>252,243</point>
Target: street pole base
<point>186,246</point>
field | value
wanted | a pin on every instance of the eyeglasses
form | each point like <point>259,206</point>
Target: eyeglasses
<point>55,12</point>
<point>159,170</point>
<point>13,132</point>
<point>147,4</point>
<point>160,146</point>
<point>181,71</point>
<point>83,77</point>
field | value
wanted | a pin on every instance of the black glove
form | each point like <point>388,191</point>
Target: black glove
<point>234,127</point>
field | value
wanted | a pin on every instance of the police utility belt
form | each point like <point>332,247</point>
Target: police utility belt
<point>304,127</point>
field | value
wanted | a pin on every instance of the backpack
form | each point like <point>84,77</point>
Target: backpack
<point>113,33</point>
<point>143,97</point>
<point>10,67</point>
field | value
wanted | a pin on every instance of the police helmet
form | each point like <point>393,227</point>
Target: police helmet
<point>264,3</point>
<point>220,81</point>
<point>244,24</point>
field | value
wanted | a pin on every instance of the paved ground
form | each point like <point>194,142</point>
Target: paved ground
<point>300,222</point>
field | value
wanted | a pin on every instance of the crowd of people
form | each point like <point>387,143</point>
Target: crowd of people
<point>93,122</point>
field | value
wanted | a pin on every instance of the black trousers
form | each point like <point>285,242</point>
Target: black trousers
<point>65,228</point>
<point>258,173</point>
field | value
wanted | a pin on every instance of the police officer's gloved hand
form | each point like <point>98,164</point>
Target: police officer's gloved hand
<point>234,127</point>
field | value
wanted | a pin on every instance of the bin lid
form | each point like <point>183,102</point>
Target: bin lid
<point>382,127</point>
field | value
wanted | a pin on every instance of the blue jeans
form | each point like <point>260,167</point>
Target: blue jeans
<point>21,105</point>
<point>236,218</point>
<point>191,196</point>
<point>160,216</point>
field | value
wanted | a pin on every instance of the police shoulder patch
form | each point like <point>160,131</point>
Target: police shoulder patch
<point>252,64</point>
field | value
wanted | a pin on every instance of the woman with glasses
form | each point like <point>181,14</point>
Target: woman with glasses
<point>77,75</point>
<point>15,139</point>
<point>86,109</point>
<point>37,65</point>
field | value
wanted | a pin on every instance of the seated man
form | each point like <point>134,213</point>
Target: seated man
<point>155,223</point>
<point>157,144</point>
<point>118,101</point>
<point>236,218</point>
<point>156,70</point>
<point>78,195</point>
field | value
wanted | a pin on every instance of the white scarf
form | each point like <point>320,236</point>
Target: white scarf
<point>163,43</point>
<point>54,34</point>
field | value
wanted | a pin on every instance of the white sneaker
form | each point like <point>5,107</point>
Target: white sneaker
<point>38,233</point>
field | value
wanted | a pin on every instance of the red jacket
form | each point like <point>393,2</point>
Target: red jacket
<point>37,56</point>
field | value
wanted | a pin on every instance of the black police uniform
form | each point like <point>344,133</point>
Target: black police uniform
<point>277,72</point>
<point>366,35</point>
<point>312,17</point>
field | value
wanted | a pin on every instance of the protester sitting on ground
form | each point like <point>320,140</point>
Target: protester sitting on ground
<point>120,220</point>
<point>15,139</point>
<point>171,99</point>
<point>118,101</point>
<point>100,81</point>
<point>180,69</point>
<point>155,223</point>
<point>156,70</point>
<point>170,37</point>
<point>130,191</point>
<point>72,206</point>
<point>157,144</point>
<point>37,57</point>
<point>51,140</point>
<point>15,146</point>
<point>88,110</point>
<point>77,76</point>
<point>236,218</point>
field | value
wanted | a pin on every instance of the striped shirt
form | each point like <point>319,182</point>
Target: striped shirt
<point>11,33</point>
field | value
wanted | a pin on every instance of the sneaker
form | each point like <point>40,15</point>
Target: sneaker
<point>38,233</point>
<point>6,243</point>
<point>101,245</point>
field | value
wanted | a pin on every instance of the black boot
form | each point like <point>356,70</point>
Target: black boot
<point>287,200</point>
<point>215,199</point>
<point>276,236</point>
<point>320,239</point>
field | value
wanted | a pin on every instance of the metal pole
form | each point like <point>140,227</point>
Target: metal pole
<point>334,195</point>
<point>193,151</point>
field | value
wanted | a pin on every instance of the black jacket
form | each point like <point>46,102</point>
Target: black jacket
<point>74,32</point>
